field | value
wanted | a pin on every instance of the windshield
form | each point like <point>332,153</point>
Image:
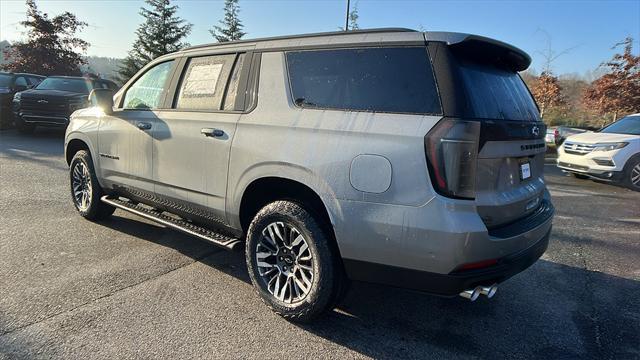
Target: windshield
<point>5,80</point>
<point>81,86</point>
<point>629,125</point>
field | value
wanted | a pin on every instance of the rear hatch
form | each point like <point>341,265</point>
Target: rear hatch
<point>481,89</point>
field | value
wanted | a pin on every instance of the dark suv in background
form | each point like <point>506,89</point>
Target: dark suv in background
<point>52,101</point>
<point>10,84</point>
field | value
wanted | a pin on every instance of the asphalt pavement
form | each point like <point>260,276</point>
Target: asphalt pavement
<point>126,288</point>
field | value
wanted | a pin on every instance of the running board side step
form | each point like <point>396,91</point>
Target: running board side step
<point>186,227</point>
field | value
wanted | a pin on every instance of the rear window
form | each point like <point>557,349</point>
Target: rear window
<point>495,93</point>
<point>396,80</point>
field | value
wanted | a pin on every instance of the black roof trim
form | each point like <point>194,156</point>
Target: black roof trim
<point>23,74</point>
<point>302,36</point>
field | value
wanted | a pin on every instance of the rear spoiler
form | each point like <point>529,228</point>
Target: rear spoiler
<point>482,49</point>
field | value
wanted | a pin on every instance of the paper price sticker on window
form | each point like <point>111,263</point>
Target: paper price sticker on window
<point>202,80</point>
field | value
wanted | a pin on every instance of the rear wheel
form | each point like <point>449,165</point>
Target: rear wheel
<point>85,189</point>
<point>632,174</point>
<point>292,263</point>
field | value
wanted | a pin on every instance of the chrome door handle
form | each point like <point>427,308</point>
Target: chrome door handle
<point>209,132</point>
<point>144,125</point>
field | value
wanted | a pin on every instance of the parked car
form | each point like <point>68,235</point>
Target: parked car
<point>11,83</point>
<point>611,154</point>
<point>391,156</point>
<point>53,100</point>
<point>562,132</point>
<point>550,136</point>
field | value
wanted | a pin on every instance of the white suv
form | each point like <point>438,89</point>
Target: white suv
<point>611,154</point>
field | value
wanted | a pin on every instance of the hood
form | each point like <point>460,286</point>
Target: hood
<point>596,137</point>
<point>51,93</point>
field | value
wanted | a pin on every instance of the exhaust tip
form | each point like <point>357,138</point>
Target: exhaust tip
<point>489,291</point>
<point>471,294</point>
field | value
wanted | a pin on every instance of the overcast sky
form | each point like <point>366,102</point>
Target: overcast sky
<point>589,28</point>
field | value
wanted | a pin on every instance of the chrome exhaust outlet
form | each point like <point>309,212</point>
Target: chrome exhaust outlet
<point>471,294</point>
<point>489,291</point>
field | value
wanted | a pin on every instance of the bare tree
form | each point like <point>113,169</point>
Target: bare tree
<point>549,54</point>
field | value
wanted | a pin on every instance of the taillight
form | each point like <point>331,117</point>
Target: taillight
<point>452,155</point>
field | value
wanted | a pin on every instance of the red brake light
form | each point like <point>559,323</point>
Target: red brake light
<point>452,153</point>
<point>477,265</point>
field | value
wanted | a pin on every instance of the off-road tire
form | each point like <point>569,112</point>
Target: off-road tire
<point>96,210</point>
<point>329,282</point>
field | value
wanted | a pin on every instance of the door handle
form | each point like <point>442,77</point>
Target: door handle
<point>144,125</point>
<point>209,132</point>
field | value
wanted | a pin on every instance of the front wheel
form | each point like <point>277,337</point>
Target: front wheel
<point>85,189</point>
<point>292,263</point>
<point>632,174</point>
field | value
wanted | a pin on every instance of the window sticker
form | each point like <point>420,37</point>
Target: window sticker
<point>202,80</point>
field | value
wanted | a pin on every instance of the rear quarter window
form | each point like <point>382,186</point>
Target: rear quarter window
<point>395,80</point>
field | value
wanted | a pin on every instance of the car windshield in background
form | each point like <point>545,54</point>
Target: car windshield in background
<point>629,125</point>
<point>5,80</point>
<point>398,80</point>
<point>494,93</point>
<point>81,86</point>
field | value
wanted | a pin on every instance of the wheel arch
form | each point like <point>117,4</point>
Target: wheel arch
<point>73,147</point>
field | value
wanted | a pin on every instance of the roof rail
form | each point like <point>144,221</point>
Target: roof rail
<point>310,35</point>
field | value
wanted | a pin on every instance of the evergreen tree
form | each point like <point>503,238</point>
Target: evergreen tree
<point>161,33</point>
<point>230,28</point>
<point>52,47</point>
<point>353,18</point>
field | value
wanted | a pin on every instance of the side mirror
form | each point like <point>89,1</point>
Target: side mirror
<point>102,98</point>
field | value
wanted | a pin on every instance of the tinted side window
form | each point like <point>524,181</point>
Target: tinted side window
<point>147,91</point>
<point>203,82</point>
<point>21,81</point>
<point>234,81</point>
<point>34,81</point>
<point>396,80</point>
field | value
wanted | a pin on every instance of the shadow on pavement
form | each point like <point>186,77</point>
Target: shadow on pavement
<point>549,311</point>
<point>40,147</point>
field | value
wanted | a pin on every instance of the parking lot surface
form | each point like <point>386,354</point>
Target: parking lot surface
<point>127,288</point>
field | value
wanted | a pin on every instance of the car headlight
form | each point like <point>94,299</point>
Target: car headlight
<point>609,146</point>
<point>17,97</point>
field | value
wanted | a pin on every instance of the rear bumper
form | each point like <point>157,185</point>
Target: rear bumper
<point>430,262</point>
<point>451,284</point>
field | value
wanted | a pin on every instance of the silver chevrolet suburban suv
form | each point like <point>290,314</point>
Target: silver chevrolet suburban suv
<point>411,159</point>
